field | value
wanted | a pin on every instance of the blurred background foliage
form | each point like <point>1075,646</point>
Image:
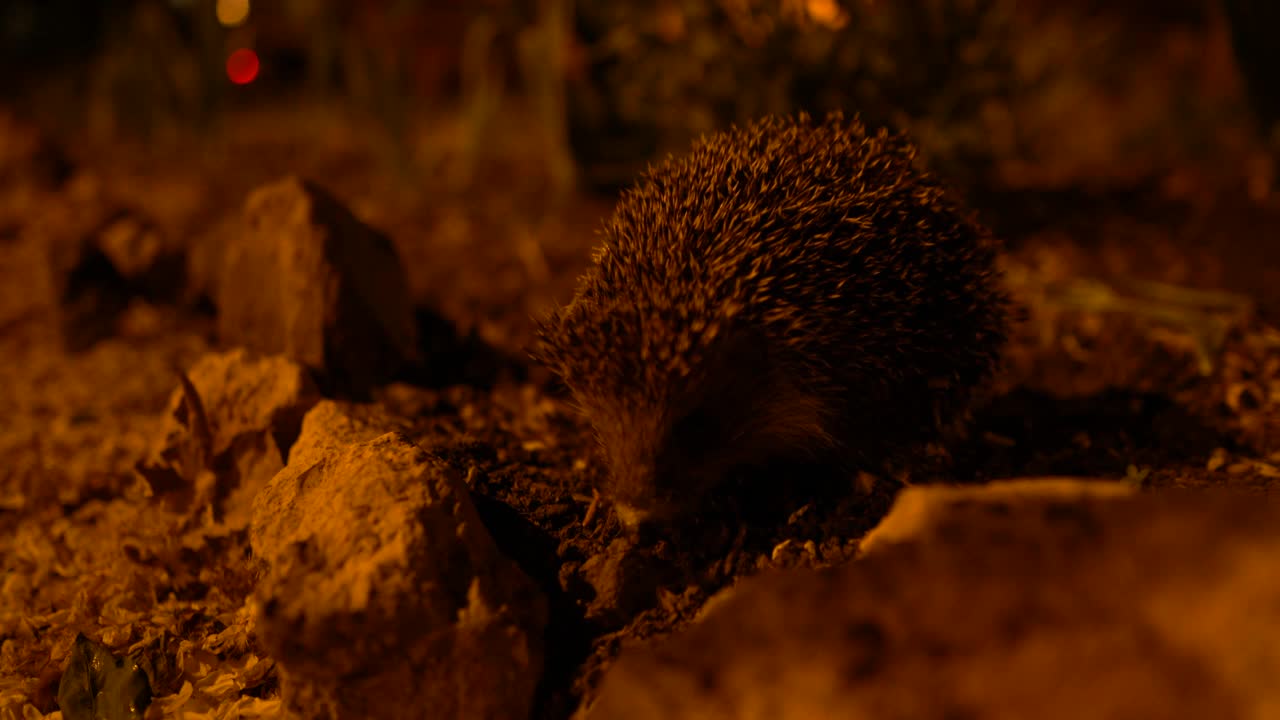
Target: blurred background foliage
<point>996,92</point>
<point>935,66</point>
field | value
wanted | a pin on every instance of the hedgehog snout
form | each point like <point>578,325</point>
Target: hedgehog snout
<point>652,482</point>
<point>635,493</point>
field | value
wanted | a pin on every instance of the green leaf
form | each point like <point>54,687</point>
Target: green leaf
<point>99,686</point>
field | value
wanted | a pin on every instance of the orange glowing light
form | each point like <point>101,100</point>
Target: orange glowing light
<point>826,12</point>
<point>232,13</point>
<point>242,66</point>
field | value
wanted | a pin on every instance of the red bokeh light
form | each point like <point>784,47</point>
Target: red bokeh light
<point>242,66</point>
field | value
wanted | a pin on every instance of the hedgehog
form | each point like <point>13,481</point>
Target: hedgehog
<point>792,289</point>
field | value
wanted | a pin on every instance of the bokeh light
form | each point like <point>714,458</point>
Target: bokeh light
<point>826,12</point>
<point>242,66</point>
<point>232,12</point>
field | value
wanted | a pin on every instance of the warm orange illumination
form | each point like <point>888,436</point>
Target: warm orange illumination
<point>242,66</point>
<point>232,12</point>
<point>826,12</point>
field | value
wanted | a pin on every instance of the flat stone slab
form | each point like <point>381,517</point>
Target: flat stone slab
<point>1003,605</point>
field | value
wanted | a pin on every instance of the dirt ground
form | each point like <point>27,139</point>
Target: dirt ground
<point>1106,377</point>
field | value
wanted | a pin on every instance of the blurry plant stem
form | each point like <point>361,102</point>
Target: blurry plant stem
<point>540,51</point>
<point>543,64</point>
<point>323,46</point>
<point>481,96</point>
<point>209,48</point>
<point>393,110</point>
<point>375,79</point>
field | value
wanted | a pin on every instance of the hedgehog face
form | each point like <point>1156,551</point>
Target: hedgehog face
<point>653,443</point>
<point>735,408</point>
<point>665,457</point>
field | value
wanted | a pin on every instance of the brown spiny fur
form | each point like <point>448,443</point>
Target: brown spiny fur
<point>791,289</point>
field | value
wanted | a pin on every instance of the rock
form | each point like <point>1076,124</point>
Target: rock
<point>132,246</point>
<point>916,509</point>
<point>332,425</point>
<point>250,412</point>
<point>1145,606</point>
<point>306,279</point>
<point>386,597</point>
<point>205,255</point>
<point>86,257</point>
<point>625,578</point>
<point>244,392</point>
<point>29,156</point>
<point>29,305</point>
<point>78,290</point>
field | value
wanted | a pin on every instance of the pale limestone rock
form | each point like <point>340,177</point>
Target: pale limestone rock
<point>303,277</point>
<point>386,597</point>
<point>1054,605</point>
<point>250,411</point>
